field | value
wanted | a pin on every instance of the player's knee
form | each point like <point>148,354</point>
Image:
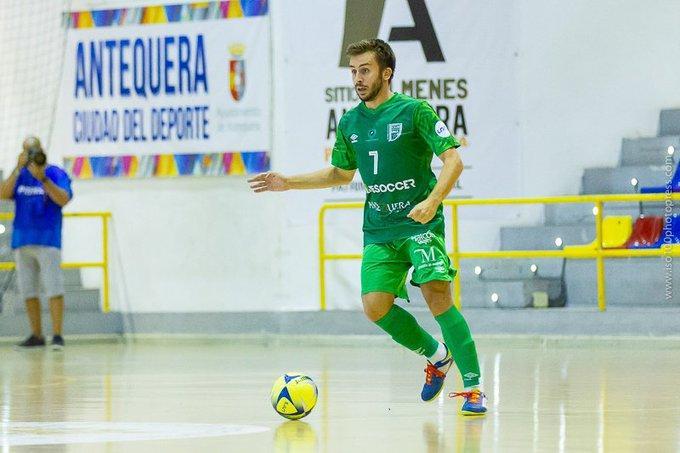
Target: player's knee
<point>439,306</point>
<point>436,291</point>
<point>372,312</point>
<point>437,287</point>
<point>375,309</point>
<point>437,296</point>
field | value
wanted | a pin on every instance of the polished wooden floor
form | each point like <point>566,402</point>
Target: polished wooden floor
<point>205,396</point>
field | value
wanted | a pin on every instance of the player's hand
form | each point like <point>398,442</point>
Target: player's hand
<point>424,211</point>
<point>38,171</point>
<point>23,159</point>
<point>269,182</point>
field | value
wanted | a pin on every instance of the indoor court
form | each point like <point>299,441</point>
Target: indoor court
<point>546,395</point>
<point>339,226</point>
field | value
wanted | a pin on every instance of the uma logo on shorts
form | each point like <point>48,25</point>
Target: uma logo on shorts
<point>427,255</point>
<point>429,260</point>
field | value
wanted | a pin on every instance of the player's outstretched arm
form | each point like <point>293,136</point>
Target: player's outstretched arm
<point>424,211</point>
<point>276,182</point>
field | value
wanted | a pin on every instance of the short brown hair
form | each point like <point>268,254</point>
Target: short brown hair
<point>383,52</point>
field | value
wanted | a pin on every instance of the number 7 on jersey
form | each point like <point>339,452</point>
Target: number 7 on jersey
<point>374,154</point>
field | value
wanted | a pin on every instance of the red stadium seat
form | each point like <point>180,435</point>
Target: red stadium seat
<point>646,232</point>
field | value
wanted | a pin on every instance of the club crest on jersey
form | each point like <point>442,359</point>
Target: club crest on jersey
<point>354,138</point>
<point>394,131</point>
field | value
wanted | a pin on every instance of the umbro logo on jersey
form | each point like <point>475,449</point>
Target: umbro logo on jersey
<point>394,131</point>
<point>354,138</point>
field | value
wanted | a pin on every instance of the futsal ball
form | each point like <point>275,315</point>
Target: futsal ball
<point>294,395</point>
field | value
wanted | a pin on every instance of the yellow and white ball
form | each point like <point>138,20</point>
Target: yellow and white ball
<point>294,395</point>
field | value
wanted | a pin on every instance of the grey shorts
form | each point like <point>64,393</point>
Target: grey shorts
<point>39,266</point>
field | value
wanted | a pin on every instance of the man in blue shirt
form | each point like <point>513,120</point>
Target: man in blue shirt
<point>39,191</point>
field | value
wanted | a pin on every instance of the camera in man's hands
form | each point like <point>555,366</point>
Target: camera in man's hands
<point>36,155</point>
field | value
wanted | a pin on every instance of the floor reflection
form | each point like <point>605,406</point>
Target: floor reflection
<point>295,436</point>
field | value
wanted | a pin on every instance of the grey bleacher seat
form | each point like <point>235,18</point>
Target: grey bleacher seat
<point>630,281</point>
<point>582,213</point>
<point>648,151</point>
<point>608,180</point>
<point>669,122</point>
<point>542,237</point>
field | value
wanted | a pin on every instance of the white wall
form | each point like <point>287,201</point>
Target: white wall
<point>589,74</point>
<point>181,245</point>
<point>298,151</point>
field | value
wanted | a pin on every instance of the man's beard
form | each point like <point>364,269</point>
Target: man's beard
<point>371,93</point>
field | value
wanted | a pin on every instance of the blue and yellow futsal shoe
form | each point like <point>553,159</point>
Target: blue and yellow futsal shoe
<point>474,404</point>
<point>435,373</point>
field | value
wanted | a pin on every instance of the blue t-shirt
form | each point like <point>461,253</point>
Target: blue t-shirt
<point>37,219</point>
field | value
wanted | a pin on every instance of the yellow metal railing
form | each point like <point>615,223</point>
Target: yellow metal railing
<point>598,253</point>
<point>103,264</point>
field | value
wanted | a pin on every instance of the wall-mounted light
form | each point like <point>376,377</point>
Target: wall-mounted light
<point>635,183</point>
<point>533,268</point>
<point>495,298</point>
<point>558,242</point>
<point>478,270</point>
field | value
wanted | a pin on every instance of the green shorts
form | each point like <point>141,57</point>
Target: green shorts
<point>384,267</point>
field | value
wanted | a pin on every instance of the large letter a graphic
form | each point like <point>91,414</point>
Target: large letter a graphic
<point>362,21</point>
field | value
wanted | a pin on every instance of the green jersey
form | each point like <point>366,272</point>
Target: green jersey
<point>392,146</point>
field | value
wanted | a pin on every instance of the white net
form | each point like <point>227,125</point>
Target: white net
<point>31,45</point>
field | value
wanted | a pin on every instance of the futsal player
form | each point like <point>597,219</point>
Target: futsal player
<point>391,138</point>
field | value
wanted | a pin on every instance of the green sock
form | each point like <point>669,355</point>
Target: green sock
<point>459,341</point>
<point>404,329</point>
